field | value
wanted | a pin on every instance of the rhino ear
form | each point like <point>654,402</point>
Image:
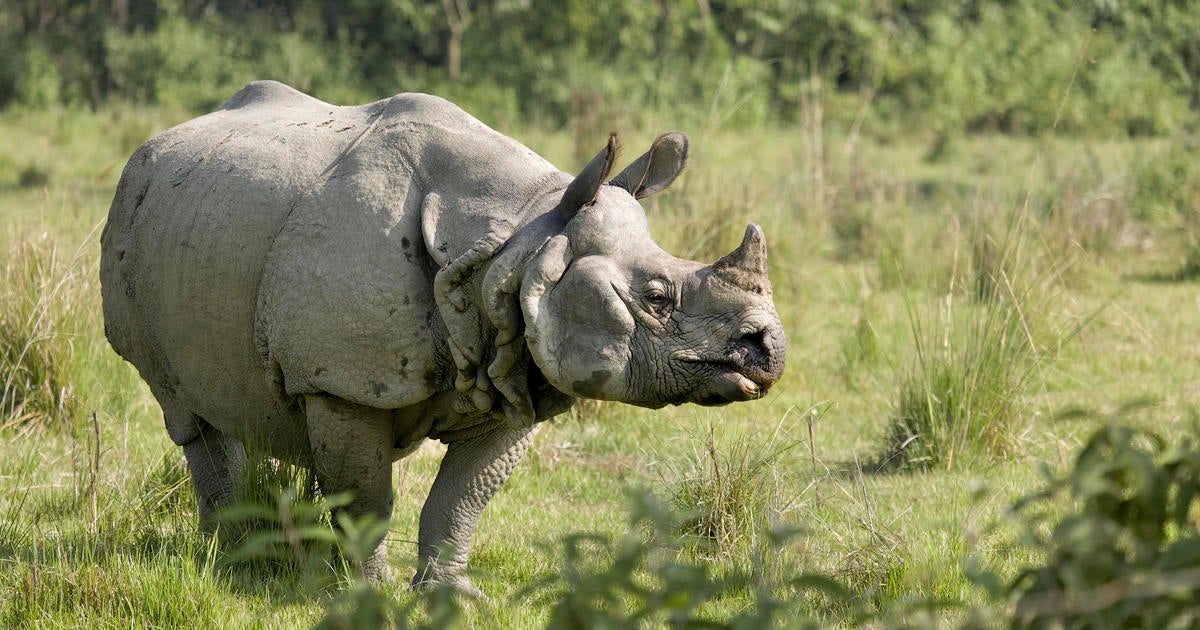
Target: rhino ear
<point>657,168</point>
<point>541,274</point>
<point>584,187</point>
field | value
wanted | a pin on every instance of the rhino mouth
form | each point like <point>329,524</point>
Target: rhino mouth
<point>728,382</point>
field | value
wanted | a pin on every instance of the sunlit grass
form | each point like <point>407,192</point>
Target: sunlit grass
<point>98,524</point>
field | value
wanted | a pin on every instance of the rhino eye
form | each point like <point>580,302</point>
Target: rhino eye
<point>658,299</point>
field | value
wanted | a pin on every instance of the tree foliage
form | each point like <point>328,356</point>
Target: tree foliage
<point>951,66</point>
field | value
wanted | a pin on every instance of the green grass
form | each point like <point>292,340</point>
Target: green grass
<point>97,522</point>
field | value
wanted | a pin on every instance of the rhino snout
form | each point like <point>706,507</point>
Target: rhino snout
<point>758,353</point>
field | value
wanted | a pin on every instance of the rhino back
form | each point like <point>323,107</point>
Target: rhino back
<point>186,242</point>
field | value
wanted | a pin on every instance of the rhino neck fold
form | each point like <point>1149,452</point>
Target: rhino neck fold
<point>477,294</point>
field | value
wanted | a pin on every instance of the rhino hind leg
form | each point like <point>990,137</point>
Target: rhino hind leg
<point>352,452</point>
<point>216,461</point>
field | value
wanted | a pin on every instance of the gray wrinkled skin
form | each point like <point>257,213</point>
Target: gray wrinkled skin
<point>333,285</point>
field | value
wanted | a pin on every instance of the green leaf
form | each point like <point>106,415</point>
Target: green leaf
<point>823,583</point>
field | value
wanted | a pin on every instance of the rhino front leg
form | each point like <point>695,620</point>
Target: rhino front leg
<point>471,473</point>
<point>352,452</point>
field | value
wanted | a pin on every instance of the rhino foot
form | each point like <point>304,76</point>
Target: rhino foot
<point>431,579</point>
<point>375,568</point>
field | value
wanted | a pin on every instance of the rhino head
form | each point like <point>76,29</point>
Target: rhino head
<point>610,315</point>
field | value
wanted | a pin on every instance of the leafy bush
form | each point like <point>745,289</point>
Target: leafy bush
<point>644,578</point>
<point>33,176</point>
<point>38,83</point>
<point>1126,554</point>
<point>368,606</point>
<point>282,522</point>
<point>952,67</point>
<point>280,519</point>
<point>1029,67</point>
<point>1167,193</point>
<point>198,64</point>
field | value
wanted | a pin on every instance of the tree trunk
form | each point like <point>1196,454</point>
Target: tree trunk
<point>120,14</point>
<point>457,19</point>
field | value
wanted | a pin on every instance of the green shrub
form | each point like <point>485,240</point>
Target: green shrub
<point>1099,68</point>
<point>280,520</point>
<point>644,578</point>
<point>281,523</point>
<point>368,606</point>
<point>1126,553</point>
<point>197,64</point>
<point>1167,195</point>
<point>33,176</point>
<point>39,83</point>
<point>854,230</point>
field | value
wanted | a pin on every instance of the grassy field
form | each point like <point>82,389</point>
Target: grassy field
<point>951,298</point>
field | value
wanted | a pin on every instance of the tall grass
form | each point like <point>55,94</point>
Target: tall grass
<point>960,402</point>
<point>39,326</point>
<point>859,348</point>
<point>730,493</point>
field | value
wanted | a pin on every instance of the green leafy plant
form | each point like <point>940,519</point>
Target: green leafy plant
<point>33,176</point>
<point>283,522</point>
<point>368,606</point>
<point>287,530</point>
<point>645,577</point>
<point>1167,192</point>
<point>1126,553</point>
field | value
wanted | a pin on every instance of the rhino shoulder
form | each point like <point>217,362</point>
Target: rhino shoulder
<point>270,93</point>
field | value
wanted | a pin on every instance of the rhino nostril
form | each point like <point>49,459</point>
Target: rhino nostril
<point>750,349</point>
<point>758,353</point>
<point>756,340</point>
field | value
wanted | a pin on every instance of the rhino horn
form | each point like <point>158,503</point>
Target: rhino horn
<point>584,187</point>
<point>746,266</point>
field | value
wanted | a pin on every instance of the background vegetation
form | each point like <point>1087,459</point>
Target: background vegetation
<point>948,65</point>
<point>984,232</point>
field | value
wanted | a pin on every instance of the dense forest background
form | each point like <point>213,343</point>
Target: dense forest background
<point>948,66</point>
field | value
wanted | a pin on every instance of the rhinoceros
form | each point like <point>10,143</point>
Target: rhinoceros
<point>333,285</point>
